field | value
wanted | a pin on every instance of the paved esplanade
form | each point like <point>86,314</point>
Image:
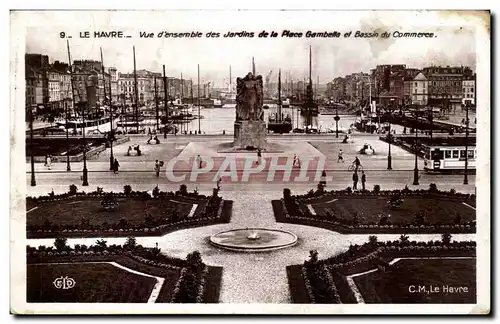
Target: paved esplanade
<point>138,172</point>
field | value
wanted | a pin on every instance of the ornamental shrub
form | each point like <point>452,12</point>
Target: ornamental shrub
<point>127,189</point>
<point>73,189</point>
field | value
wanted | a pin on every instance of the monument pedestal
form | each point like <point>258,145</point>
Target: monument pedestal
<point>250,134</point>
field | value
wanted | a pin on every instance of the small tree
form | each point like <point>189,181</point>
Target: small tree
<point>130,243</point>
<point>404,239</point>
<point>372,239</point>
<point>127,189</point>
<point>446,238</point>
<point>60,243</point>
<point>376,188</point>
<point>156,192</point>
<point>433,187</point>
<point>73,189</point>
<point>102,244</point>
<point>183,189</point>
<point>194,261</point>
<point>287,193</point>
<point>313,257</point>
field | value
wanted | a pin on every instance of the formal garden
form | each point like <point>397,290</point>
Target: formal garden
<point>109,214</point>
<point>380,212</point>
<point>96,279</point>
<point>369,273</point>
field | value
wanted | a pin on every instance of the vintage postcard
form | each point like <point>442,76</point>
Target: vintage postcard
<point>250,162</point>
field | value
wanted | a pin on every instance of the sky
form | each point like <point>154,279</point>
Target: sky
<point>454,41</point>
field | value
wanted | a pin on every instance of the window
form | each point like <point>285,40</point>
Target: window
<point>416,85</point>
<point>472,90</point>
<point>415,91</point>
<point>455,154</point>
<point>462,154</point>
<point>447,154</point>
<point>470,154</point>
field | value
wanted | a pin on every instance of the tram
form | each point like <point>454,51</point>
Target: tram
<point>441,158</point>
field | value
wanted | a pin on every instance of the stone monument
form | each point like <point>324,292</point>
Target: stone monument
<point>249,127</point>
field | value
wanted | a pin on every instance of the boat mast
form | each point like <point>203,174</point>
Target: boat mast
<point>165,102</point>
<point>199,121</point>
<point>279,96</point>
<point>230,81</point>
<point>253,67</point>
<point>136,96</point>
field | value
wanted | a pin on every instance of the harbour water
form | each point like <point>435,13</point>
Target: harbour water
<point>217,120</point>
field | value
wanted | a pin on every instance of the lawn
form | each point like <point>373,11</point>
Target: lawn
<point>133,210</point>
<point>95,282</point>
<point>369,208</point>
<point>400,285</point>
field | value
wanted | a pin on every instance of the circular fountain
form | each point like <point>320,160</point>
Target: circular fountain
<point>253,239</point>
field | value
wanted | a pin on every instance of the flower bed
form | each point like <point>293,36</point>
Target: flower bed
<point>178,274</point>
<point>316,286</point>
<point>420,211</point>
<point>83,214</point>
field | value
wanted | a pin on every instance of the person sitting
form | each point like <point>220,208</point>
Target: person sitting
<point>346,137</point>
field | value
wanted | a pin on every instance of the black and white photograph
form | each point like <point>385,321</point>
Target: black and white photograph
<point>250,162</point>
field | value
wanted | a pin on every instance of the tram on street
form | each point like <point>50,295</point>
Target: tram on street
<point>442,158</point>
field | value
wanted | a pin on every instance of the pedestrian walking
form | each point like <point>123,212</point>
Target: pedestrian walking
<point>49,162</point>
<point>219,182</point>
<point>259,156</point>
<point>341,156</point>
<point>363,180</point>
<point>356,163</point>
<point>157,168</point>
<point>116,165</point>
<point>355,181</point>
<point>296,161</point>
<point>200,162</point>
<point>323,178</point>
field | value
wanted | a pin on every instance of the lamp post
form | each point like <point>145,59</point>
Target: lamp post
<point>68,166</point>
<point>431,118</point>
<point>111,136</point>
<point>466,179</point>
<point>337,118</point>
<point>415,171</point>
<point>389,138</point>
<point>85,175</point>
<point>33,181</point>
<point>165,92</point>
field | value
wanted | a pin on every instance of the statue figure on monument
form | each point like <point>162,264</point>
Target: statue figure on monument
<point>249,98</point>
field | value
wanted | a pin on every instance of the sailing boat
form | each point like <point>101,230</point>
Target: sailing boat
<point>278,122</point>
<point>309,107</point>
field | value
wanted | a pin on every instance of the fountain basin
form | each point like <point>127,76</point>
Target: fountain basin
<point>253,239</point>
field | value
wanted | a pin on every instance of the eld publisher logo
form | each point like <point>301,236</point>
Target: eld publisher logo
<point>64,283</point>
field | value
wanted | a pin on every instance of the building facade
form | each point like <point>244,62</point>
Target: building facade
<point>419,90</point>
<point>445,86</point>
<point>113,79</point>
<point>40,64</point>
<point>469,91</point>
